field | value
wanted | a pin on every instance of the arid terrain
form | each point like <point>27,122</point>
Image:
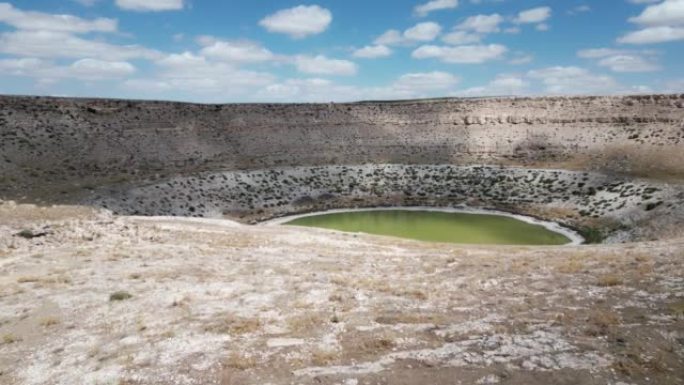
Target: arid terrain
<point>129,252</point>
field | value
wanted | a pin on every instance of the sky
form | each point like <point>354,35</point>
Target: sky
<point>211,51</point>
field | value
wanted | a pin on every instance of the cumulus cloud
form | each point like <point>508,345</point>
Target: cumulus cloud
<point>481,23</point>
<point>594,53</point>
<point>502,85</point>
<point>573,80</point>
<point>389,37</point>
<point>663,22</point>
<point>669,12</point>
<point>84,69</point>
<point>198,77</point>
<point>426,81</point>
<point>621,60</point>
<point>628,63</point>
<point>411,85</point>
<point>534,15</point>
<point>434,5</point>
<point>420,32</point>
<point>653,35</point>
<point>64,45</point>
<point>461,38</point>
<point>39,21</point>
<point>472,54</point>
<point>423,32</point>
<point>298,22</point>
<point>322,65</point>
<point>235,51</point>
<point>150,5</point>
<point>373,51</point>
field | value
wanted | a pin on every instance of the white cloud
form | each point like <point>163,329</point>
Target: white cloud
<point>434,5</point>
<point>39,21</point>
<point>389,37</point>
<point>579,9</point>
<point>667,13</point>
<point>235,51</point>
<point>534,15</point>
<point>150,5</point>
<point>322,65</point>
<point>99,69</point>
<point>84,69</point>
<point>461,54</point>
<point>573,80</point>
<point>427,31</point>
<point>198,77</point>
<point>628,63</point>
<point>461,37</point>
<point>426,81</point>
<point>298,22</point>
<point>595,53</point>
<point>521,59</point>
<point>65,45</point>
<point>643,1</point>
<point>503,85</point>
<point>373,51</point>
<point>412,85</point>
<point>663,22</point>
<point>653,35</point>
<point>620,60</point>
<point>481,23</point>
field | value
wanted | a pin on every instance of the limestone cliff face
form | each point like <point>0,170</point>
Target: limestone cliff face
<point>65,144</point>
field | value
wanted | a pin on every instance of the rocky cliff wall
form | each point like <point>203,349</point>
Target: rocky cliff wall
<point>52,147</point>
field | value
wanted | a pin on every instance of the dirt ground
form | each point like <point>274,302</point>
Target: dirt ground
<point>91,298</point>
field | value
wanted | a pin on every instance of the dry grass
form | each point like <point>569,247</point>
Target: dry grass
<point>306,322</point>
<point>10,339</point>
<point>235,326</point>
<point>644,161</point>
<point>240,361</point>
<point>377,344</point>
<point>601,322</point>
<point>410,318</point>
<point>571,266</point>
<point>49,321</point>
<point>321,357</point>
<point>608,280</point>
<point>677,309</point>
<point>28,279</point>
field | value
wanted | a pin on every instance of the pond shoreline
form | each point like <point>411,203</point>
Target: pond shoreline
<point>574,237</point>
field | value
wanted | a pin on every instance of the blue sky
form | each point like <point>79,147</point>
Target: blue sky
<point>339,50</point>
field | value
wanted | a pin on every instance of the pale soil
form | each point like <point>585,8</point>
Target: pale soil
<point>216,302</point>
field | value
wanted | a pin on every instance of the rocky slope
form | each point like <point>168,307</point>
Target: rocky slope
<point>68,144</point>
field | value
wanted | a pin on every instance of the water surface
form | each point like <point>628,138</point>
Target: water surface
<point>436,226</point>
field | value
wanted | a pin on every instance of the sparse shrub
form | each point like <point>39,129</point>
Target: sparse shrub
<point>600,322</point>
<point>120,296</point>
<point>591,235</point>
<point>49,321</point>
<point>9,339</point>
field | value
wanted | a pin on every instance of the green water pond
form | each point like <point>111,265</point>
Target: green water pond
<point>436,226</point>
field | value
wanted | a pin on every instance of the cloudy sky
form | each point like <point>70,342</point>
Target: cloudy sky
<point>339,50</point>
